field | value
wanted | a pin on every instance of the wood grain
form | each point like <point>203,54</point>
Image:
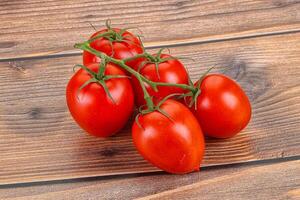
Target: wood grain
<point>33,27</point>
<point>279,181</point>
<point>259,181</point>
<point>40,141</point>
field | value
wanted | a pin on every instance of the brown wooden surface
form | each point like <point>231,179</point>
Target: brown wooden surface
<point>39,140</point>
<point>259,181</point>
<point>276,181</point>
<point>33,27</point>
<point>255,42</point>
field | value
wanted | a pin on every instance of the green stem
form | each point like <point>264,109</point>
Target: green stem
<point>147,97</point>
<point>86,47</point>
<point>182,86</point>
<point>142,55</point>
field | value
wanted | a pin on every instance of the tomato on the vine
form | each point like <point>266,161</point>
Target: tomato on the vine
<point>222,108</point>
<point>174,143</point>
<point>92,107</point>
<point>169,71</point>
<point>120,44</point>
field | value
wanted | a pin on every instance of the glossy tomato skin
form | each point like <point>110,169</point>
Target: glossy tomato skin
<point>171,71</point>
<point>174,146</point>
<point>93,110</point>
<point>223,109</point>
<point>118,50</point>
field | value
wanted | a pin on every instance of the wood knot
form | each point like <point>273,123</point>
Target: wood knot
<point>179,3</point>
<point>109,152</point>
<point>89,16</point>
<point>35,113</point>
<point>6,45</point>
<point>254,82</point>
<point>237,69</point>
<point>280,3</point>
<point>17,67</point>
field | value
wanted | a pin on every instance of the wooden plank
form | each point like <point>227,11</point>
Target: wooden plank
<point>40,141</point>
<point>264,181</point>
<point>278,181</point>
<point>36,27</point>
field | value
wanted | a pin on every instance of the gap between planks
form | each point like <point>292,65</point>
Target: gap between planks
<point>155,45</point>
<point>150,173</point>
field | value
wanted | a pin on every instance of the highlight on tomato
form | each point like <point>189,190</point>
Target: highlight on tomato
<point>100,100</point>
<point>170,138</point>
<point>222,107</point>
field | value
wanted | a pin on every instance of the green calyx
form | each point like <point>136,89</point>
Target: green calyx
<point>156,60</point>
<point>113,35</point>
<point>143,110</point>
<point>99,78</point>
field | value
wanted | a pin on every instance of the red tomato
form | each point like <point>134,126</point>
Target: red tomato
<point>117,49</point>
<point>171,71</point>
<point>223,109</point>
<point>93,109</point>
<point>175,146</point>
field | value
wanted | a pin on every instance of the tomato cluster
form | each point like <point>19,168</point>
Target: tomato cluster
<point>174,114</point>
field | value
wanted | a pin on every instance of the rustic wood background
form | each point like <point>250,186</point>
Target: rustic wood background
<point>255,42</point>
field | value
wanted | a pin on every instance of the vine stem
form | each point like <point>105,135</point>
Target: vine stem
<point>86,47</point>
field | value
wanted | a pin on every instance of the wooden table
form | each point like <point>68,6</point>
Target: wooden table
<point>45,155</point>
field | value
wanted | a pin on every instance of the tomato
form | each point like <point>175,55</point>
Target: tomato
<point>170,71</point>
<point>222,109</point>
<point>129,47</point>
<point>93,109</point>
<point>175,146</point>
